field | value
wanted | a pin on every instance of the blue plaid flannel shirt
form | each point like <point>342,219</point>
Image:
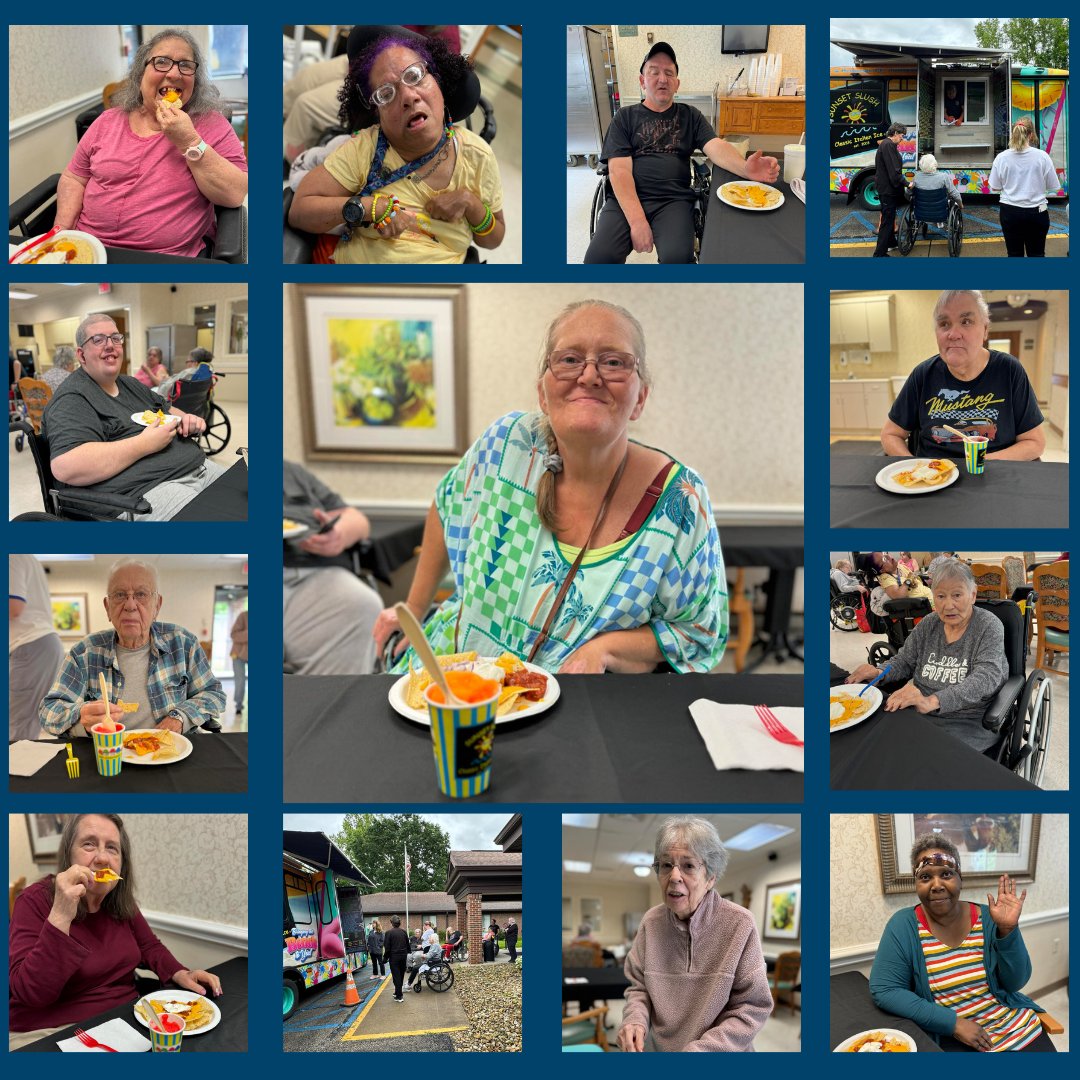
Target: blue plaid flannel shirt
<point>179,680</point>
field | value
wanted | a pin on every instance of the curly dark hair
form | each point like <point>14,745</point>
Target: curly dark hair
<point>449,69</point>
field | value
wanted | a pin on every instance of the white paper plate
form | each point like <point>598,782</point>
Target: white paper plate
<point>420,716</point>
<point>853,690</point>
<point>184,995</point>
<point>98,248</point>
<point>169,419</point>
<point>722,196</point>
<point>297,529</point>
<point>884,478</point>
<point>891,1033</point>
<point>129,757</point>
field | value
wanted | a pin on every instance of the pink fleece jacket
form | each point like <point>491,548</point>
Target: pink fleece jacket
<point>698,985</point>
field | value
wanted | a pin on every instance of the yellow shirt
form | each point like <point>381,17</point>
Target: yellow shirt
<point>888,581</point>
<point>475,170</point>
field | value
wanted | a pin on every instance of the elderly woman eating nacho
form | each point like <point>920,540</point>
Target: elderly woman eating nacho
<point>955,659</point>
<point>571,545</point>
<point>77,936</point>
<point>157,668</point>
<point>149,171</point>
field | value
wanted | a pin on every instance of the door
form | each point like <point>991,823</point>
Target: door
<point>229,601</point>
<point>963,119</point>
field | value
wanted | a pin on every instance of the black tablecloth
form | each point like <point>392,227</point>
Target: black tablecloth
<point>779,547</point>
<point>1010,494</point>
<point>609,738</point>
<point>217,763</point>
<point>224,500</point>
<point>605,984</point>
<point>905,750</point>
<point>852,1009</point>
<point>753,236</point>
<point>230,1036</point>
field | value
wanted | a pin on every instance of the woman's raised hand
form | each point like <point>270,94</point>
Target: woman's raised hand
<point>175,123</point>
<point>1005,910</point>
<point>69,888</point>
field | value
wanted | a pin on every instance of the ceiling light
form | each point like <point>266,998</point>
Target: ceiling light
<point>1029,311</point>
<point>64,558</point>
<point>572,866</point>
<point>15,294</point>
<point>757,836</point>
<point>643,871</point>
<point>1016,300</point>
<point>582,821</point>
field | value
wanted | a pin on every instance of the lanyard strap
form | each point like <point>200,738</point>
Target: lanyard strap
<point>378,179</point>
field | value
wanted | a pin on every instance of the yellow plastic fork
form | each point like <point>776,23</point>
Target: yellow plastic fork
<point>72,764</point>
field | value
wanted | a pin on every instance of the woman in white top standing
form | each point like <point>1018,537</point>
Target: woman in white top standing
<point>1024,174</point>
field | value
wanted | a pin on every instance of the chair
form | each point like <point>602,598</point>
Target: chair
<point>35,394</point>
<point>1015,574</point>
<point>931,209</point>
<point>842,608</point>
<point>990,581</point>
<point>784,979</point>
<point>582,954</point>
<point>739,605</point>
<point>586,1028</point>
<point>1052,611</point>
<point>197,396</point>
<point>14,889</point>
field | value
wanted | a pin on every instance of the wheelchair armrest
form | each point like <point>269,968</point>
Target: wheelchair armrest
<point>229,242</point>
<point>490,128</point>
<point>33,200</point>
<point>297,245</point>
<point>1004,700</point>
<point>97,501</point>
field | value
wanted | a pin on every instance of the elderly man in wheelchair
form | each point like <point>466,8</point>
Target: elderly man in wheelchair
<point>846,593</point>
<point>964,667</point>
<point>934,202</point>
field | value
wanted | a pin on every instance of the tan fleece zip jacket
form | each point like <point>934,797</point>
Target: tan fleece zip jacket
<point>698,985</point>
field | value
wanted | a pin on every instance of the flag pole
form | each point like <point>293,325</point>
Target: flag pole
<point>407,868</point>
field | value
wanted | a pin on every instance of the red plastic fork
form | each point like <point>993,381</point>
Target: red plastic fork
<point>89,1040</point>
<point>775,728</point>
<point>33,244</point>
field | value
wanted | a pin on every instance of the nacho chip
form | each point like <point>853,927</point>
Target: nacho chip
<point>510,700</point>
<point>105,875</point>
<point>420,680</point>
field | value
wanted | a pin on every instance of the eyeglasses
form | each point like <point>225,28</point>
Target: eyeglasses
<point>141,597</point>
<point>937,859</point>
<point>99,339</point>
<point>687,867</point>
<point>413,75</point>
<point>167,63</point>
<point>612,367</point>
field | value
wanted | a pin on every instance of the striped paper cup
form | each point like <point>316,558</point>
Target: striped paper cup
<point>108,749</point>
<point>167,1041</point>
<point>975,453</point>
<point>462,738</point>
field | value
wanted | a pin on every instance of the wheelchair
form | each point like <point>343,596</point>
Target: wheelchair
<point>459,954</point>
<point>437,973</point>
<point>700,182</point>
<point>931,209</point>
<point>198,397</point>
<point>843,606</point>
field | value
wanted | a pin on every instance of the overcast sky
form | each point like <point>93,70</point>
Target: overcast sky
<point>468,832</point>
<point>947,31</point>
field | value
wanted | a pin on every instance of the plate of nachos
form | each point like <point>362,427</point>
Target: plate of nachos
<point>846,708</point>
<point>200,1013</point>
<point>155,746</point>
<point>750,195</point>
<point>917,476</point>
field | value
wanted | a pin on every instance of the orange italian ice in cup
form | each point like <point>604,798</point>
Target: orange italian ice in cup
<point>462,735</point>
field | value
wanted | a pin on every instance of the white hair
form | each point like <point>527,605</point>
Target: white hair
<point>132,564</point>
<point>951,570</point>
<point>928,163</point>
<point>947,296</point>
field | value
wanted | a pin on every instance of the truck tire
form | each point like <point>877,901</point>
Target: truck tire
<point>866,193</point>
<point>290,997</point>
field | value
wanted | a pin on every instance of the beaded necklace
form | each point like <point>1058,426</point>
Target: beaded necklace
<point>378,176</point>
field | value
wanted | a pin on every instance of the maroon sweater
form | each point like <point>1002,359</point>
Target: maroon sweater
<point>57,979</point>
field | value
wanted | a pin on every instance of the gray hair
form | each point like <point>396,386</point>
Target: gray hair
<point>951,570</point>
<point>700,836</point>
<point>637,334</point>
<point>205,96</point>
<point>155,351</point>
<point>928,163</point>
<point>88,320</point>
<point>199,355</point>
<point>65,357</point>
<point>896,129</point>
<point>584,930</point>
<point>950,294</point>
<point>933,842</point>
<point>132,564</point>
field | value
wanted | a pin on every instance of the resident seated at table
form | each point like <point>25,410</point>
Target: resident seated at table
<point>197,368</point>
<point>696,971</point>
<point>152,372</point>
<point>64,363</point>
<point>149,171</point>
<point>954,967</point>
<point>95,445</point>
<point>955,659</point>
<point>159,666</point>
<point>885,571</point>
<point>570,544</point>
<point>841,575</point>
<point>74,943</point>
<point>978,391</point>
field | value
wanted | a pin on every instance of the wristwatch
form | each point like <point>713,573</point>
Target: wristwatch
<point>193,153</point>
<point>353,213</point>
<point>174,715</point>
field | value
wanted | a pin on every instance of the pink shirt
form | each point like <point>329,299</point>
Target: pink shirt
<point>140,192</point>
<point>159,369</point>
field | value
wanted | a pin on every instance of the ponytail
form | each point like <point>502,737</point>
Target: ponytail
<point>545,489</point>
<point>1018,140</point>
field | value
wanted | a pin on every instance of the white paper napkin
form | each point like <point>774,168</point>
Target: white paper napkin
<point>736,738</point>
<point>25,757</point>
<point>118,1034</point>
<point>799,187</point>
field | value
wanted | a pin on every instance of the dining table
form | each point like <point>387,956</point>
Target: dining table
<point>226,499</point>
<point>608,738</point>
<point>906,751</point>
<point>852,1010</point>
<point>391,544</point>
<point>118,256</point>
<point>218,763</point>
<point>1009,494</point>
<point>588,984</point>
<point>230,1035</point>
<point>753,236</point>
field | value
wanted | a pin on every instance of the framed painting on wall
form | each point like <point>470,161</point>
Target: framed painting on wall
<point>69,614</point>
<point>783,911</point>
<point>44,831</point>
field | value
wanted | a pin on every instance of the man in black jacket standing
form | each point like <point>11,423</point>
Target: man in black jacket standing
<point>511,935</point>
<point>396,946</point>
<point>890,187</point>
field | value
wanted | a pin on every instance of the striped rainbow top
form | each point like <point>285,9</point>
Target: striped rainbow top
<point>958,982</point>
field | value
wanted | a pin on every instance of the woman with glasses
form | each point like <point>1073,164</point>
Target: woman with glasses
<point>571,545</point>
<point>697,975</point>
<point>409,186</point>
<point>150,170</point>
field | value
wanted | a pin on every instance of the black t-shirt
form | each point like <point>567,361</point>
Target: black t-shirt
<point>660,145</point>
<point>999,404</point>
<point>80,412</point>
<point>302,494</point>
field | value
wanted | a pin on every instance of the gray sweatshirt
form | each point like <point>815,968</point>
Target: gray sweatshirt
<point>965,675</point>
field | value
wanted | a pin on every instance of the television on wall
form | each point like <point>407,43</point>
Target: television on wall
<point>744,39</point>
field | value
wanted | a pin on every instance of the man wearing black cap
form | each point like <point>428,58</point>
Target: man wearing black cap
<point>647,149</point>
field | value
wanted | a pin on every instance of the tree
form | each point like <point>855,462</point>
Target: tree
<point>375,844</point>
<point>1039,42</point>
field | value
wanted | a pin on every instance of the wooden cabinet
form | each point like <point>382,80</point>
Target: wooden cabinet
<point>762,116</point>
<point>856,321</point>
<point>859,406</point>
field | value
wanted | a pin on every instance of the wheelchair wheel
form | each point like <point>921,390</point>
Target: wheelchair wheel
<point>956,230</point>
<point>1033,725</point>
<point>880,654</point>
<point>218,429</point>
<point>440,978</point>
<point>842,615</point>
<point>905,235</point>
<point>598,200</point>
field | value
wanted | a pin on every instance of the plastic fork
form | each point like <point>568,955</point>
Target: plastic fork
<point>877,679</point>
<point>40,240</point>
<point>775,727</point>
<point>89,1040</point>
<point>72,764</point>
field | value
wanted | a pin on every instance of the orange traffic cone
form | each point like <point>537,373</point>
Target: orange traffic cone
<point>351,995</point>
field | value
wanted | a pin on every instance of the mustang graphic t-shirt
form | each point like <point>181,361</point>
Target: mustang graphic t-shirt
<point>660,145</point>
<point>999,404</point>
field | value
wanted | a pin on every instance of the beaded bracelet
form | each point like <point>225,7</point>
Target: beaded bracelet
<point>486,225</point>
<point>374,205</point>
<point>390,211</point>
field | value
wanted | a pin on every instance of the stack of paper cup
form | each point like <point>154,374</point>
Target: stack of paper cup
<point>794,161</point>
<point>108,748</point>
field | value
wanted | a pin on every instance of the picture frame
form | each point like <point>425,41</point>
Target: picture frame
<point>989,844</point>
<point>70,615</point>
<point>783,911</point>
<point>383,372</point>
<point>44,831</point>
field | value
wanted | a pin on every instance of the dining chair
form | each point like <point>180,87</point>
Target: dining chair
<point>1052,612</point>
<point>990,580</point>
<point>740,607</point>
<point>784,978</point>
<point>35,394</point>
<point>586,1028</point>
<point>14,889</point>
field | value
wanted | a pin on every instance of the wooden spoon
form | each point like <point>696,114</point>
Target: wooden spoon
<point>106,724</point>
<point>955,432</point>
<point>422,649</point>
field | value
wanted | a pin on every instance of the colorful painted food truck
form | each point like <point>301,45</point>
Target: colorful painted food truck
<point>323,922</point>
<point>958,104</point>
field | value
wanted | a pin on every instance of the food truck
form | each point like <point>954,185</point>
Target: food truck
<point>323,924</point>
<point>958,104</point>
